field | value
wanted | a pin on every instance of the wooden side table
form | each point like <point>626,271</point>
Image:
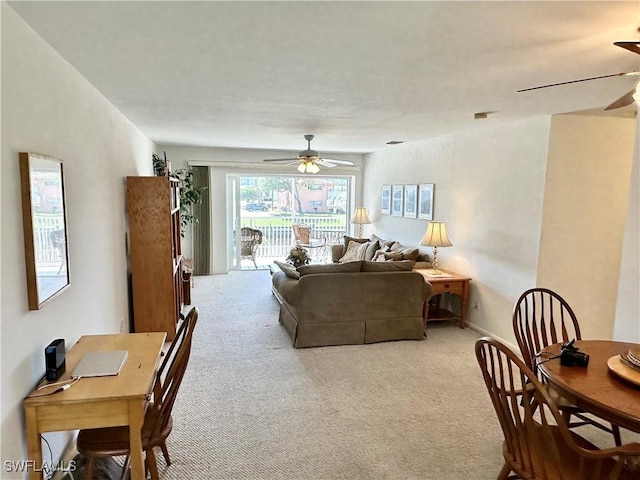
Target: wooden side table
<point>453,283</point>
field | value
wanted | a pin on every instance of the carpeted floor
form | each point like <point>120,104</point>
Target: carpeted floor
<point>252,407</point>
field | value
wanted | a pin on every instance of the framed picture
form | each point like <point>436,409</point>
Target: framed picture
<point>385,204</point>
<point>411,201</point>
<point>45,227</point>
<point>397,192</point>
<point>425,201</point>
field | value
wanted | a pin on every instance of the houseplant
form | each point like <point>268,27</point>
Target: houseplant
<point>190,195</point>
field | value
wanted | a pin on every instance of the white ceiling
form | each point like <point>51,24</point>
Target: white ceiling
<point>356,74</point>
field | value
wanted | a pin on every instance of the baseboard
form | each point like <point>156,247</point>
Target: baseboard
<point>486,333</point>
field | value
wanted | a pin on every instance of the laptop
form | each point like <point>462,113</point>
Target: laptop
<point>100,364</point>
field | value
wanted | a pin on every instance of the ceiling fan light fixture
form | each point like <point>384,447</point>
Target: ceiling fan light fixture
<point>308,166</point>
<point>636,95</point>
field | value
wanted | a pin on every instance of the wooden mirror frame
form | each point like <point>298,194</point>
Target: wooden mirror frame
<point>45,227</point>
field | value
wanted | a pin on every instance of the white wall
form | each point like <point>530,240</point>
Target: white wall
<point>627,324</point>
<point>489,189</point>
<point>585,210</point>
<point>47,107</point>
<point>248,162</point>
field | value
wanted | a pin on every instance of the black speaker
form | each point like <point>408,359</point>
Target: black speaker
<point>54,359</point>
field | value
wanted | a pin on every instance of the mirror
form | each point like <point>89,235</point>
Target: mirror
<point>45,227</point>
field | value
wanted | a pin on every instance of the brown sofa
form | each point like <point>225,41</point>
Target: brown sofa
<point>351,303</point>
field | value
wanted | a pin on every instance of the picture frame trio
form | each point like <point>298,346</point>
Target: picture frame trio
<point>410,201</point>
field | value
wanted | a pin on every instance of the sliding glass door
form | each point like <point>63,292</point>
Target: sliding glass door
<point>273,204</point>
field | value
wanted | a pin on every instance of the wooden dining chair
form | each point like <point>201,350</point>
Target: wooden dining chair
<point>541,318</point>
<point>114,441</point>
<point>538,445</point>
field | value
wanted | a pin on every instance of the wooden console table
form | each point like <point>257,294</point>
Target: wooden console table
<point>453,283</point>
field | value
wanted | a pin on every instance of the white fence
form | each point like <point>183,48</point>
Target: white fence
<point>43,226</point>
<point>278,236</point>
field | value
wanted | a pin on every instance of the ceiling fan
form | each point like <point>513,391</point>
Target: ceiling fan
<point>309,160</point>
<point>622,101</point>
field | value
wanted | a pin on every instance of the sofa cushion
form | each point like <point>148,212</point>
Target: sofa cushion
<point>330,268</point>
<point>289,270</point>
<point>390,266</point>
<point>355,252</point>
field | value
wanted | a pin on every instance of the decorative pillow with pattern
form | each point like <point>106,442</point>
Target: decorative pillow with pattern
<point>355,252</point>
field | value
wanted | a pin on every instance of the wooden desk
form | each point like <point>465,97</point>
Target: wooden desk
<point>455,284</point>
<point>101,401</point>
<point>594,388</point>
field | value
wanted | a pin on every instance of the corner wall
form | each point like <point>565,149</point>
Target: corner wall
<point>585,211</point>
<point>627,324</point>
<point>49,108</point>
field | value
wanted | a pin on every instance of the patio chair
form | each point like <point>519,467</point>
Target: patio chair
<point>58,242</point>
<point>250,240</point>
<point>303,238</point>
<point>538,445</point>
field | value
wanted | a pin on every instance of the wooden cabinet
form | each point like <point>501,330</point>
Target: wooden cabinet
<point>155,254</point>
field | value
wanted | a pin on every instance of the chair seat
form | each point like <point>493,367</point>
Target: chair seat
<point>114,441</point>
<point>569,469</point>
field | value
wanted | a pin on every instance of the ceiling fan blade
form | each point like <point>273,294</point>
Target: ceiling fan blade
<point>338,162</point>
<point>622,101</point>
<point>325,163</point>
<point>280,160</point>
<point>622,74</point>
<point>631,46</point>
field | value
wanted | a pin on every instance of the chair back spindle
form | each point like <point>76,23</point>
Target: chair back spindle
<point>541,318</point>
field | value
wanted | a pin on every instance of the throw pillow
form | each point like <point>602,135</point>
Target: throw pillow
<point>407,253</point>
<point>355,252</point>
<point>384,244</point>
<point>347,267</point>
<point>372,247</point>
<point>348,239</point>
<point>387,256</point>
<point>287,269</point>
<point>391,266</point>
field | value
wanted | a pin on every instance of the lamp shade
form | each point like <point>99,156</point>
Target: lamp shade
<point>436,235</point>
<point>360,216</point>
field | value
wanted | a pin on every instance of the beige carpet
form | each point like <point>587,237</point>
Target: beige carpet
<point>252,407</point>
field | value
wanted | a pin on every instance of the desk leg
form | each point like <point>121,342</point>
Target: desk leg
<point>136,418</point>
<point>34,445</point>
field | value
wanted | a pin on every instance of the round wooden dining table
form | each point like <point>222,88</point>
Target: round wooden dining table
<point>595,388</point>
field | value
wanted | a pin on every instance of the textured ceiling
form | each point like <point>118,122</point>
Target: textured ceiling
<point>356,74</point>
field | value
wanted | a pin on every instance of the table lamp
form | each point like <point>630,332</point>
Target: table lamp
<point>435,236</point>
<point>360,218</point>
